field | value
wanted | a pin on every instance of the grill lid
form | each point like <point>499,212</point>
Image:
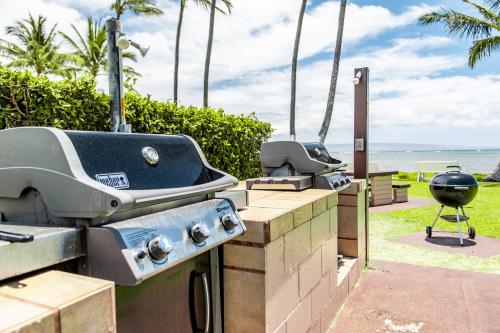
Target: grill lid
<point>93,174</point>
<point>453,178</point>
<point>303,158</point>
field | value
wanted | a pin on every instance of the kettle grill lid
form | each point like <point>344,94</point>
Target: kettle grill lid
<point>453,178</point>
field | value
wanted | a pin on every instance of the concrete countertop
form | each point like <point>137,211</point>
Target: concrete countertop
<point>271,214</point>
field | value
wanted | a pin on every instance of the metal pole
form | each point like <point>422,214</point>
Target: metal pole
<point>361,136</point>
<point>115,68</point>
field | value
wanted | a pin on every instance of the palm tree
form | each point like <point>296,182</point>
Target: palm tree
<point>90,52</point>
<point>37,49</point>
<point>213,7</point>
<point>138,7</point>
<point>206,4</point>
<point>485,30</point>
<point>294,69</point>
<point>335,73</point>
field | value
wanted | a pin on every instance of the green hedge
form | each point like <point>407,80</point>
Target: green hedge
<point>230,143</point>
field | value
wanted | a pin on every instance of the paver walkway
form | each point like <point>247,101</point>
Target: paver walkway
<point>412,203</point>
<point>481,246</point>
<point>394,297</point>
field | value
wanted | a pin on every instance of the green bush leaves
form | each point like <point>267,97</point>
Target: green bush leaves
<point>230,143</point>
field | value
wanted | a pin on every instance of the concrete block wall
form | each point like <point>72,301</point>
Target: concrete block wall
<point>351,221</point>
<point>56,301</point>
<point>281,276</point>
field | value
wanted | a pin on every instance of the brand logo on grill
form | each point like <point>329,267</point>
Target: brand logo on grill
<point>223,209</point>
<point>117,180</point>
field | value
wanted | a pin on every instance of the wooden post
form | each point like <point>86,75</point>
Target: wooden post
<point>361,93</point>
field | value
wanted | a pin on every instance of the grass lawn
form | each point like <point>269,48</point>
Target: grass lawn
<point>484,212</point>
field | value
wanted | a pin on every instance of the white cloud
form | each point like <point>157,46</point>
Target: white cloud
<point>89,5</point>
<point>63,16</point>
<point>257,36</point>
<point>413,83</point>
<point>407,89</point>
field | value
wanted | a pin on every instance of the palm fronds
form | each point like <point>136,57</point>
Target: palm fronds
<point>90,51</point>
<point>482,48</point>
<point>459,24</point>
<point>484,29</point>
<point>37,48</point>
<point>138,7</point>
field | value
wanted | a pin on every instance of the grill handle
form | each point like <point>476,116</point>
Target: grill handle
<point>461,188</point>
<point>206,298</point>
<point>458,167</point>
<point>206,295</point>
<point>15,237</point>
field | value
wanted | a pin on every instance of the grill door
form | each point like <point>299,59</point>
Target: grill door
<point>172,302</point>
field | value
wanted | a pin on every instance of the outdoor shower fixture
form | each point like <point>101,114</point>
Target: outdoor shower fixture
<point>357,78</point>
<point>124,43</point>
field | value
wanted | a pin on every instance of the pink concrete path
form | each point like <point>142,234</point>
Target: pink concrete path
<point>412,203</point>
<point>481,246</point>
<point>394,297</point>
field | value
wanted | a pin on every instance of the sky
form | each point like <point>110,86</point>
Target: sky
<point>421,89</point>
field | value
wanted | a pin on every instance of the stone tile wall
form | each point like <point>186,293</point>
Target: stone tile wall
<point>281,276</point>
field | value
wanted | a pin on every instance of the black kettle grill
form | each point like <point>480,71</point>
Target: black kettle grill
<point>454,189</point>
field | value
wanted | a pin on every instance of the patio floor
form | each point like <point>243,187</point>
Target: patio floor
<point>481,246</point>
<point>412,203</point>
<point>395,297</point>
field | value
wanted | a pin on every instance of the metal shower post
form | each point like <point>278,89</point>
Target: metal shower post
<point>115,71</point>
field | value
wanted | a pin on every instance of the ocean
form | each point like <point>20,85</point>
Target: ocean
<point>472,161</point>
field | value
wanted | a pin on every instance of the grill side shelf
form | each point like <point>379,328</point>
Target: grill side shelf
<point>50,246</point>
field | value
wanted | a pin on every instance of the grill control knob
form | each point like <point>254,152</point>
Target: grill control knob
<point>336,184</point>
<point>229,221</point>
<point>159,248</point>
<point>199,232</point>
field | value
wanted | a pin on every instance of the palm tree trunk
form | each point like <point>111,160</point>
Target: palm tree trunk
<point>209,53</point>
<point>177,41</point>
<point>335,72</point>
<point>294,70</point>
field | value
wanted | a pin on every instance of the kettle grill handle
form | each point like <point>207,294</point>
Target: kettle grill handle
<point>458,167</point>
<point>461,188</point>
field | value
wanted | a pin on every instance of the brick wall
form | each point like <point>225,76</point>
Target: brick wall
<point>351,221</point>
<point>282,275</point>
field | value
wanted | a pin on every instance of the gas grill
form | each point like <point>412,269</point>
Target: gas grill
<point>145,203</point>
<point>291,165</point>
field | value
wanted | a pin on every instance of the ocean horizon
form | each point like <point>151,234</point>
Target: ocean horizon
<point>478,160</point>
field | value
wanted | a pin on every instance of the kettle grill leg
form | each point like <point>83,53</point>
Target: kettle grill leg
<point>466,220</point>
<point>459,228</point>
<point>437,216</point>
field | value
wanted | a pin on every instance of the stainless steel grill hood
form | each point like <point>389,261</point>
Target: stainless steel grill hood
<point>134,205</point>
<point>291,165</point>
<point>92,175</point>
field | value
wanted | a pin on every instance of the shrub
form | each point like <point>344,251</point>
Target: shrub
<point>230,143</point>
<point>28,100</point>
